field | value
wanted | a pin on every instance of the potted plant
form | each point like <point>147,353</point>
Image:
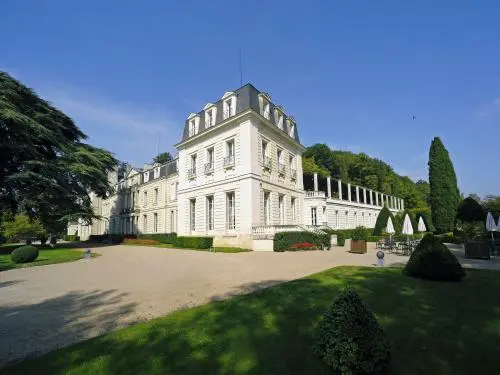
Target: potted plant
<point>470,225</point>
<point>358,240</point>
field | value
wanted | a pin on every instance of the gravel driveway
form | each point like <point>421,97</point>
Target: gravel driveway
<point>47,307</point>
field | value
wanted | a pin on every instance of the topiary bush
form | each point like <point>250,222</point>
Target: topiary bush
<point>24,254</point>
<point>192,242</point>
<point>432,260</point>
<point>381,222</point>
<point>426,217</point>
<point>351,341</point>
<point>469,210</point>
<point>283,241</point>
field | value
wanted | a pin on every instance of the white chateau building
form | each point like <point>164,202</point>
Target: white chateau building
<point>238,177</point>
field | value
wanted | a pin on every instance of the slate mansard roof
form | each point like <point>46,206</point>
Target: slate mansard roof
<point>247,97</point>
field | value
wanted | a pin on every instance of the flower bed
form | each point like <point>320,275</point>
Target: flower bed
<point>139,241</point>
<point>302,246</point>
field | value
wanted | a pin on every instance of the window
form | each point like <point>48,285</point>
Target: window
<point>145,199</point>
<point>230,211</point>
<point>314,217</point>
<point>265,109</point>
<point>281,206</point>
<point>210,212</point>
<point>155,223</point>
<point>155,196</point>
<point>281,165</point>
<point>336,219</point>
<point>145,224</point>
<point>133,199</point>
<point>209,117</point>
<point>156,172</point>
<point>229,107</point>
<point>172,221</point>
<point>293,170</point>
<point>173,191</point>
<point>209,166</point>
<point>146,176</point>
<point>266,161</point>
<point>229,159</point>
<point>267,208</point>
<point>193,126</point>
<point>192,170</point>
<point>192,214</point>
<point>292,208</point>
<point>291,126</point>
<point>280,120</point>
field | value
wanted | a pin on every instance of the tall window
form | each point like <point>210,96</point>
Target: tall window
<point>173,191</point>
<point>192,214</point>
<point>193,128</point>
<point>281,205</point>
<point>155,223</point>
<point>209,166</point>
<point>280,120</point>
<point>314,216</point>
<point>133,199</point>
<point>156,172</point>
<point>209,118</point>
<point>210,212</point>
<point>230,211</point>
<point>292,129</point>
<point>145,223</point>
<point>281,165</point>
<point>292,207</point>
<point>192,170</point>
<point>267,208</point>
<point>155,196</point>
<point>228,108</point>
<point>172,221</point>
<point>229,159</point>
<point>265,109</point>
<point>145,199</point>
<point>336,220</point>
<point>266,162</point>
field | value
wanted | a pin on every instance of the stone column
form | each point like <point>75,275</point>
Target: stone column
<point>340,189</point>
<point>382,201</point>
<point>371,197</point>
<point>357,194</point>
<point>315,182</point>
<point>349,192</point>
<point>376,198</point>
<point>364,195</point>
<point>402,204</point>
<point>328,187</point>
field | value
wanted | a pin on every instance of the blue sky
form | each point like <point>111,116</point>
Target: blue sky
<point>353,73</point>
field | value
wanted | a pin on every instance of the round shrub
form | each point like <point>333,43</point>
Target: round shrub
<point>24,254</point>
<point>381,222</point>
<point>351,341</point>
<point>469,210</point>
<point>434,261</point>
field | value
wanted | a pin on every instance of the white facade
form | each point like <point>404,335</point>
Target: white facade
<point>238,177</point>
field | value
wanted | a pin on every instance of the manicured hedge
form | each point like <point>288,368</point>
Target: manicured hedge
<point>71,237</point>
<point>115,238</point>
<point>3,239</point>
<point>350,339</point>
<point>193,242</point>
<point>283,241</point>
<point>343,234</point>
<point>434,261</point>
<point>160,237</point>
<point>24,254</point>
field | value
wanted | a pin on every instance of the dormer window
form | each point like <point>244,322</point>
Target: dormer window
<point>229,104</point>
<point>265,109</point>
<point>146,176</point>
<point>291,128</point>
<point>265,105</point>
<point>194,121</point>
<point>279,118</point>
<point>210,113</point>
<point>156,172</point>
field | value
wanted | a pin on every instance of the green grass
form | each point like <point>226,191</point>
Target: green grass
<point>434,328</point>
<point>230,250</point>
<point>48,256</point>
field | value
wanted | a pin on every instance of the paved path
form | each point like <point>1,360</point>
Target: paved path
<point>43,308</point>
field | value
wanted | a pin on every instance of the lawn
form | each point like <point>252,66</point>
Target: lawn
<point>434,328</point>
<point>47,256</point>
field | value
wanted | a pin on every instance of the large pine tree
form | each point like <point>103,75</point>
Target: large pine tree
<point>444,194</point>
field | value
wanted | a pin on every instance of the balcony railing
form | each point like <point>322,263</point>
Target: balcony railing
<point>229,161</point>
<point>191,173</point>
<point>209,168</point>
<point>267,162</point>
<point>281,168</point>
<point>273,229</point>
<point>315,194</point>
<point>293,173</point>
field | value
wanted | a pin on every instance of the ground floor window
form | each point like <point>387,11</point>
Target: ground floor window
<point>145,223</point>
<point>172,221</point>
<point>267,208</point>
<point>230,211</point>
<point>210,212</point>
<point>155,223</point>
<point>192,214</point>
<point>314,217</point>
<point>292,208</point>
<point>281,206</point>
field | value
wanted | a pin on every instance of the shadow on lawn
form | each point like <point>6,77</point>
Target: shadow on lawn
<point>438,328</point>
<point>58,322</point>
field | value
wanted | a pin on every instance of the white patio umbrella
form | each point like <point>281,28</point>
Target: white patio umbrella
<point>390,228</point>
<point>490,224</point>
<point>407,227</point>
<point>421,225</point>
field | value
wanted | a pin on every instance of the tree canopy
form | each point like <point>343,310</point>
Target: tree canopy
<point>163,158</point>
<point>363,170</point>
<point>46,169</point>
<point>444,194</point>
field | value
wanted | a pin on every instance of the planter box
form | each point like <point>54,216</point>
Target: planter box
<point>477,250</point>
<point>358,247</point>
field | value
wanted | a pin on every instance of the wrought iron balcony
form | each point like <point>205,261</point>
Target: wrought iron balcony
<point>293,173</point>
<point>209,168</point>
<point>229,161</point>
<point>192,173</point>
<point>281,168</point>
<point>267,162</point>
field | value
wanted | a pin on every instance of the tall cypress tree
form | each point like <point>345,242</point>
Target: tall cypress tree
<point>444,194</point>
